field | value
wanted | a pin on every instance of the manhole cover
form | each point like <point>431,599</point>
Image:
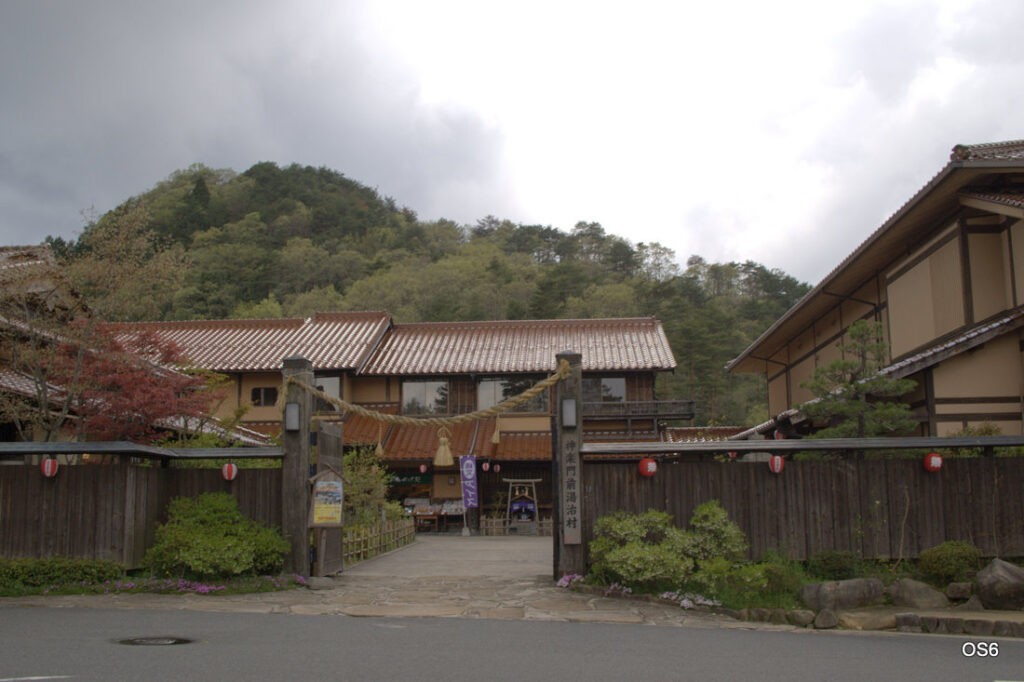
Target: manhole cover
<point>154,641</point>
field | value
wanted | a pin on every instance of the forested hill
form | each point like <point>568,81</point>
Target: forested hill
<point>274,242</point>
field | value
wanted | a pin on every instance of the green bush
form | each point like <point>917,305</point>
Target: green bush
<point>774,582</point>
<point>25,576</point>
<point>712,534</point>
<point>835,565</point>
<point>207,537</point>
<point>949,562</point>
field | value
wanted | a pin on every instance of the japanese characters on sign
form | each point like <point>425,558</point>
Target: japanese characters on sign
<point>328,494</point>
<point>570,474</point>
<point>470,497</point>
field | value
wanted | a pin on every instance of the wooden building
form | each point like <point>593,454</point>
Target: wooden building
<point>443,368</point>
<point>945,277</point>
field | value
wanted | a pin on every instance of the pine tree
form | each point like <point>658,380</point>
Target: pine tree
<point>855,400</point>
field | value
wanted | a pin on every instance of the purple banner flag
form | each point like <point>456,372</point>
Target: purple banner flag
<point>467,465</point>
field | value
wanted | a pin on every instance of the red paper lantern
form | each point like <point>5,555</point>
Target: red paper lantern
<point>648,467</point>
<point>497,468</point>
<point>49,467</point>
<point>229,471</point>
<point>775,463</point>
<point>732,454</point>
<point>423,468</point>
<point>486,466</point>
<point>933,461</point>
<point>779,435</point>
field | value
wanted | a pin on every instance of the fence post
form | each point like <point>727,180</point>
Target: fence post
<point>570,552</point>
<point>295,467</point>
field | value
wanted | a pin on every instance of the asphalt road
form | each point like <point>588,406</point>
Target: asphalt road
<point>82,644</point>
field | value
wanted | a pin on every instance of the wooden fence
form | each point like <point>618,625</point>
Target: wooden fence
<point>368,542</point>
<point>877,508</point>
<point>111,511</point>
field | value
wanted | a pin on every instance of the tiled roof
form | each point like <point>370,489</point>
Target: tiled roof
<point>1014,199</point>
<point>524,446</point>
<point>419,443</point>
<point>329,340</point>
<point>692,434</point>
<point>20,383</point>
<point>521,346</point>
<point>991,151</point>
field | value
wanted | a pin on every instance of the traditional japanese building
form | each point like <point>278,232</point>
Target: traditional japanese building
<point>945,277</point>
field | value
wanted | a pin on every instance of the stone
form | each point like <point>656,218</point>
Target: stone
<point>732,613</point>
<point>320,583</point>
<point>1003,628</point>
<point>826,619</point>
<point>1001,585</point>
<point>759,615</point>
<point>979,626</point>
<point>933,624</point>
<point>843,594</point>
<point>959,591</point>
<point>908,622</point>
<point>778,617</point>
<point>867,620</point>
<point>972,604</point>
<point>954,626</point>
<point>800,617</point>
<point>1017,628</point>
<point>916,595</point>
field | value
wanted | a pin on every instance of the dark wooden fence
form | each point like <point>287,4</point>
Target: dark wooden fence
<point>877,508</point>
<point>111,511</point>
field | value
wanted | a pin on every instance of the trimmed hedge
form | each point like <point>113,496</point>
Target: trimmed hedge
<point>28,576</point>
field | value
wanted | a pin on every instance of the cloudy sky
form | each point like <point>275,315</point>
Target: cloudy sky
<point>781,132</point>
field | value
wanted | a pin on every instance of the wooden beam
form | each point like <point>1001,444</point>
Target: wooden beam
<point>295,467</point>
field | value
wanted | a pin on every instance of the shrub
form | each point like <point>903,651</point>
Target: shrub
<point>207,537</point>
<point>22,576</point>
<point>641,551</point>
<point>834,565</point>
<point>712,534</point>
<point>949,562</point>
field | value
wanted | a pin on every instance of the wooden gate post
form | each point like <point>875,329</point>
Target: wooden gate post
<point>570,552</point>
<point>295,467</point>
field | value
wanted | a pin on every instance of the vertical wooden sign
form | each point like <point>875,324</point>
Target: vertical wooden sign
<point>570,554</point>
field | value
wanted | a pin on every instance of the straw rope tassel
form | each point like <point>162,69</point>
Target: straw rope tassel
<point>496,436</point>
<point>379,450</point>
<point>443,458</point>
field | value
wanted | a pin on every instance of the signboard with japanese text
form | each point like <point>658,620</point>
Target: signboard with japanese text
<point>326,500</point>
<point>570,489</point>
<point>470,491</point>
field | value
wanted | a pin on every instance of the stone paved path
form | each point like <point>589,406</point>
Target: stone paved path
<point>439,576</point>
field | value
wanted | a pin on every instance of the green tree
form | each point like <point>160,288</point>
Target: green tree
<point>852,396</point>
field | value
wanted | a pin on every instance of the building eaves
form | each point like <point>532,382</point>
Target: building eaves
<point>978,156</point>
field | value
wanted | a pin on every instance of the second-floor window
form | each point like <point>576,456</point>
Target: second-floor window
<point>263,396</point>
<point>490,392</point>
<point>604,389</point>
<point>425,397</point>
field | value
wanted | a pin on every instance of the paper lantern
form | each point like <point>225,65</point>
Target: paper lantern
<point>933,461</point>
<point>497,468</point>
<point>229,471</point>
<point>486,466</point>
<point>775,464</point>
<point>648,467</point>
<point>779,435</point>
<point>49,467</point>
<point>732,454</point>
<point>423,468</point>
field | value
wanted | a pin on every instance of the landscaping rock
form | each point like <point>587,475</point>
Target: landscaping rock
<point>778,617</point>
<point>916,595</point>
<point>843,594</point>
<point>800,617</point>
<point>954,626</point>
<point>1001,585</point>
<point>1003,628</point>
<point>759,615</point>
<point>972,604</point>
<point>826,619</point>
<point>977,626</point>
<point>959,590</point>
<point>933,624</point>
<point>908,622</point>
<point>320,583</point>
<point>867,620</point>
